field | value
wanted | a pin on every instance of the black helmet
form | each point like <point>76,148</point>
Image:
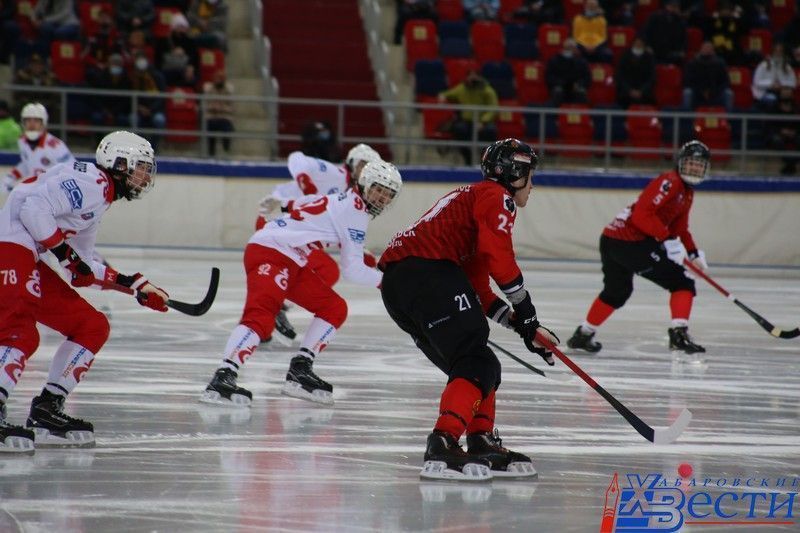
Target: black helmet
<point>507,161</point>
<point>694,151</point>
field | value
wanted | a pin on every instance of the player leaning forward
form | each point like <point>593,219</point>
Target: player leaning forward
<point>436,288</point>
<point>60,211</point>
<point>277,268</point>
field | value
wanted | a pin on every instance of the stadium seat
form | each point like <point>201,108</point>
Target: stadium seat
<point>712,127</point>
<point>741,84</point>
<point>572,8</point>
<point>182,114</point>
<point>551,39</point>
<point>67,62</point>
<point>694,38</point>
<point>161,26</point>
<point>432,121</point>
<point>487,41</point>
<point>507,8</point>
<point>644,131</point>
<point>454,39</point>
<point>758,40</point>
<point>669,86</point>
<point>453,29</point>
<point>575,128</point>
<point>457,69</point>
<point>531,86</point>
<point>420,41</point>
<point>643,10</point>
<point>429,77</point>
<point>510,123</point>
<point>620,39</point>
<point>602,90</point>
<point>520,41</point>
<point>89,15</point>
<point>500,76</point>
<point>780,13</point>
<point>211,60</point>
<point>450,9</point>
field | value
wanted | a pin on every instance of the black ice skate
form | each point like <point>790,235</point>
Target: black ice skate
<point>505,463</point>
<point>284,332</point>
<point>303,383</point>
<point>445,459</point>
<point>584,341</point>
<point>53,427</point>
<point>679,340</point>
<point>14,439</point>
<point>223,390</point>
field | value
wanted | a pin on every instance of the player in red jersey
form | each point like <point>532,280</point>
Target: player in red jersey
<point>436,288</point>
<point>651,238</point>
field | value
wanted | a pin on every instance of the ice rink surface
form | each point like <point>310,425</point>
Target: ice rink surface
<point>164,462</point>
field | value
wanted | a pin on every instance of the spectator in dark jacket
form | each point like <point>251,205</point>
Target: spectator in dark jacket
<point>636,75</point>
<point>785,135</point>
<point>135,15</point>
<point>665,34</point>
<point>706,81</point>
<point>540,12</point>
<point>111,110</point>
<point>567,75</point>
<point>149,111</point>
<point>725,31</point>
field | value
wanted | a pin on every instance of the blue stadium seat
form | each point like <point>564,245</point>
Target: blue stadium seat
<point>521,41</point>
<point>500,75</point>
<point>429,77</point>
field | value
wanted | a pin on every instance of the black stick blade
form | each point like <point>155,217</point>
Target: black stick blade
<point>202,307</point>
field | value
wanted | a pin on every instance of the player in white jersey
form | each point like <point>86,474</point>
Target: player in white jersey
<point>312,176</point>
<point>38,149</point>
<point>277,268</point>
<point>60,211</point>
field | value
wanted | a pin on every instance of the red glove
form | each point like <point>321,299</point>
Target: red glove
<point>82,275</point>
<point>370,260</point>
<point>149,295</point>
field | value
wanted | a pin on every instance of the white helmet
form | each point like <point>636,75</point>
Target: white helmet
<point>34,110</point>
<point>128,154</point>
<point>358,153</point>
<point>379,184</point>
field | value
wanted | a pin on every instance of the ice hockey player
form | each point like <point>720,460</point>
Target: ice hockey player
<point>60,211</point>
<point>313,176</point>
<point>436,288</point>
<point>651,238</point>
<point>277,269</point>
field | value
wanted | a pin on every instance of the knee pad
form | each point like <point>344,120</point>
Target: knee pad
<point>26,341</point>
<point>93,333</point>
<point>335,312</point>
<point>616,299</point>
<point>481,368</point>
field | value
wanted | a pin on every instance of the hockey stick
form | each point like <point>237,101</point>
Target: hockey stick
<point>556,376</point>
<point>183,307</point>
<point>763,322</point>
<point>654,435</point>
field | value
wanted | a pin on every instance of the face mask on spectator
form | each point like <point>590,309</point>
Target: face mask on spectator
<point>566,53</point>
<point>637,51</point>
<point>115,70</point>
<point>141,63</point>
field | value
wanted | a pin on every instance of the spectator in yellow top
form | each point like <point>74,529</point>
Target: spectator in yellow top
<point>589,29</point>
<point>476,91</point>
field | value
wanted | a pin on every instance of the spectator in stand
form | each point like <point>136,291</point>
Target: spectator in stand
<point>185,77</point>
<point>476,91</point>
<point>773,74</point>
<point>111,110</point>
<point>99,47</point>
<point>37,73</point>
<point>567,75</point>
<point>219,111</point>
<point>540,12</point>
<point>618,12</point>
<point>706,81</point>
<point>209,23</point>
<point>56,20</point>
<point>785,135</point>
<point>9,28</point>
<point>589,29</point>
<point>481,9</point>
<point>135,15</point>
<point>149,111</point>
<point>412,10</point>
<point>665,34</point>
<point>725,31</point>
<point>137,43</point>
<point>636,75</point>
<point>177,49</point>
<point>10,131</point>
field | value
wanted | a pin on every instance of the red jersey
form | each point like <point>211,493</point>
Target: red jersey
<point>661,212</point>
<point>470,226</point>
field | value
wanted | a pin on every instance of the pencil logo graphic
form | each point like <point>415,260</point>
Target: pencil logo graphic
<point>610,508</point>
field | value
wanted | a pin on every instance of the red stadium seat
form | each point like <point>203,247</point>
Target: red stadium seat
<point>602,90</point>
<point>758,40</point>
<point>572,8</point>
<point>507,8</point>
<point>211,60</point>
<point>510,123</point>
<point>450,9</point>
<point>669,86</point>
<point>575,128</point>
<point>433,119</point>
<point>643,10</point>
<point>182,114</point>
<point>644,131</point>
<point>712,128</point>
<point>780,13</point>
<point>488,42</point>
<point>89,14</point>
<point>531,86</point>
<point>620,39</point>
<point>741,84</point>
<point>420,41</point>
<point>694,38</point>
<point>67,63</point>
<point>457,69</point>
<point>161,26</point>
<point>551,39</point>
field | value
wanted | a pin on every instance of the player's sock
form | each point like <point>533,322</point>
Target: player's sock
<point>319,334</point>
<point>598,313</point>
<point>53,427</point>
<point>69,363</point>
<point>483,421</point>
<point>241,344</point>
<point>12,364</point>
<point>459,403</point>
<point>680,306</point>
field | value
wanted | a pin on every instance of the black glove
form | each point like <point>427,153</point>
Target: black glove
<point>543,352</point>
<point>82,275</point>
<point>524,320</point>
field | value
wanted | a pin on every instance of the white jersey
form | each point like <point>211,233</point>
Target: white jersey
<point>70,197</point>
<point>310,176</point>
<point>48,151</point>
<point>324,221</point>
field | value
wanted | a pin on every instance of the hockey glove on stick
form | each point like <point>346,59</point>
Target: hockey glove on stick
<point>676,251</point>
<point>526,325</point>
<point>148,294</point>
<point>82,275</point>
<point>698,259</point>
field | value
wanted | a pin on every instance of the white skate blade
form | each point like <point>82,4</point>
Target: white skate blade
<point>295,390</point>
<point>435,492</point>
<point>214,398</point>
<point>72,439</point>
<point>470,472</point>
<point>519,470</point>
<point>14,444</point>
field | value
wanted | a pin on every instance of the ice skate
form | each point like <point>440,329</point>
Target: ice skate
<point>14,439</point>
<point>53,427</point>
<point>446,460</point>
<point>284,333</point>
<point>505,463</point>
<point>584,341</point>
<point>679,340</point>
<point>223,390</point>
<point>303,383</point>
